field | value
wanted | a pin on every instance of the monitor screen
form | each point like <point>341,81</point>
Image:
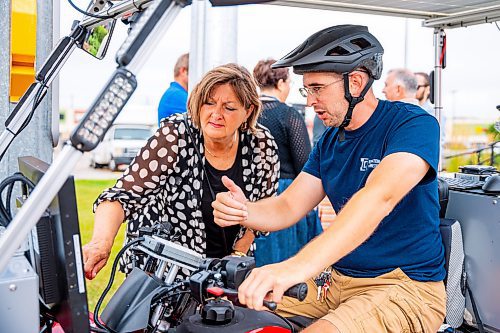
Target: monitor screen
<point>56,256</point>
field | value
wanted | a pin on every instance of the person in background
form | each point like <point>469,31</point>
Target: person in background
<point>175,97</point>
<point>177,174</point>
<point>401,85</point>
<point>379,267</point>
<point>288,127</point>
<point>423,92</point>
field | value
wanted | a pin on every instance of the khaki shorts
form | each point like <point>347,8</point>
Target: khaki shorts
<point>391,302</point>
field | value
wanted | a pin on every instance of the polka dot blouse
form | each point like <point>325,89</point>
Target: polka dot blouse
<point>164,182</point>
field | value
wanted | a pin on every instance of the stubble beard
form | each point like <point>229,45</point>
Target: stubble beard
<point>336,117</point>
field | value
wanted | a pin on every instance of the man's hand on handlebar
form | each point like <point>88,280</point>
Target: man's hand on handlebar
<point>95,256</point>
<point>267,283</point>
<point>230,207</point>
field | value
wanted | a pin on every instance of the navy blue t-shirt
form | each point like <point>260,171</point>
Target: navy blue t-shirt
<point>409,236</point>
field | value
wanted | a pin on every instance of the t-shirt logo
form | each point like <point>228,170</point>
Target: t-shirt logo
<point>367,163</point>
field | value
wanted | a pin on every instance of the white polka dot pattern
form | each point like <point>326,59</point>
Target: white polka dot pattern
<point>163,183</point>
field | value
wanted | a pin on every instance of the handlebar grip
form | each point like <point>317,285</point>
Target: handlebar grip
<point>270,305</point>
<point>298,291</point>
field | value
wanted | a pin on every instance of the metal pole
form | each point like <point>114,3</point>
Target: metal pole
<point>214,34</point>
<point>439,37</point>
<point>36,141</point>
<point>118,10</point>
<point>492,156</point>
<point>197,47</point>
<point>406,44</point>
<point>38,201</point>
<point>56,175</point>
<point>51,68</point>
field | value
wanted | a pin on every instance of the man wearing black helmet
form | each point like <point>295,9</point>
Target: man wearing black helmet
<point>377,162</point>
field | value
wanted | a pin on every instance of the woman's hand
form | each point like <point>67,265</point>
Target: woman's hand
<point>95,256</point>
<point>230,207</point>
<point>108,218</point>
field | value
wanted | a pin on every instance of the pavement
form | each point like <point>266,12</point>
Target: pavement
<point>83,170</point>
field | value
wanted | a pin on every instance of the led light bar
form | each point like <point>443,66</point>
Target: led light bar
<point>143,28</point>
<point>103,112</point>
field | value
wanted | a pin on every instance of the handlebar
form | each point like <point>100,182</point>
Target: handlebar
<point>167,301</point>
<point>211,277</point>
<point>298,291</point>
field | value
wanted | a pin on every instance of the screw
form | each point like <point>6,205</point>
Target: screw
<point>12,287</point>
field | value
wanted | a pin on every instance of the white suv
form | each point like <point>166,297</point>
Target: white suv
<point>120,145</point>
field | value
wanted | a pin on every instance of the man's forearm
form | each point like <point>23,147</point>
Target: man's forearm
<point>353,225</point>
<point>391,180</point>
<point>267,215</point>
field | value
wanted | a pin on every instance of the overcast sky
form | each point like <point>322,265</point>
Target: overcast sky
<point>470,81</point>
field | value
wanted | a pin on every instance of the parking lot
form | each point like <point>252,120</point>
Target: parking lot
<point>83,170</point>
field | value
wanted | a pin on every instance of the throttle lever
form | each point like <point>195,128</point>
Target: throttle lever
<point>270,305</point>
<point>298,291</point>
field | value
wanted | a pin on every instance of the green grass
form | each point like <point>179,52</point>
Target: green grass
<point>86,193</point>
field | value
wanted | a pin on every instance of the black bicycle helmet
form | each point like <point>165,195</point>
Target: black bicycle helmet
<point>340,49</point>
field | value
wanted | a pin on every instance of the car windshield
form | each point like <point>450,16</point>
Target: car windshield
<point>132,134</point>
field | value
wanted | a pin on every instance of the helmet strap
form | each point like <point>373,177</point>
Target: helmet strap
<point>352,103</point>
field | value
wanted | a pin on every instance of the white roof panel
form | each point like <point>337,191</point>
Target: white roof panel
<point>438,13</point>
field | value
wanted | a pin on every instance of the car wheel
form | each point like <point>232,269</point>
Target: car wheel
<point>112,165</point>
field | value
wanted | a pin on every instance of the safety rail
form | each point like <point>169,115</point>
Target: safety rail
<point>479,152</point>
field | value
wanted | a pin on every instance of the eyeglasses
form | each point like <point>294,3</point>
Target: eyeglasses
<point>315,91</point>
<point>422,86</point>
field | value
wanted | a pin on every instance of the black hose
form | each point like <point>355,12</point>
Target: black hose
<point>8,183</point>
<point>110,284</point>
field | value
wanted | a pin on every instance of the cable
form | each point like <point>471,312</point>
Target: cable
<point>163,293</point>
<point>97,321</point>
<point>87,13</point>
<point>5,210</point>
<point>497,25</point>
<point>36,101</point>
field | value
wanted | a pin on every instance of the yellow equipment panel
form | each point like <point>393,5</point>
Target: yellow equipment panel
<point>23,47</point>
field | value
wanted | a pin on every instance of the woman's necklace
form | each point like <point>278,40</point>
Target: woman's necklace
<point>224,154</point>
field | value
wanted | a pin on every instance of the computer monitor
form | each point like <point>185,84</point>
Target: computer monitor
<point>56,256</point>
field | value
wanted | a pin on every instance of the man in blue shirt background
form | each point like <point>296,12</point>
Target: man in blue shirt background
<point>174,99</point>
<point>377,163</point>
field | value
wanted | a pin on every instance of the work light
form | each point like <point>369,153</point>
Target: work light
<point>103,112</point>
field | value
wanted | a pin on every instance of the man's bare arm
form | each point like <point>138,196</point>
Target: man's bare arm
<point>269,214</point>
<point>391,180</point>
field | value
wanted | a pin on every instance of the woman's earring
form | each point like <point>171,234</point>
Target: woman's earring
<point>244,126</point>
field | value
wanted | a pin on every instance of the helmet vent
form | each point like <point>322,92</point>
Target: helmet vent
<point>361,42</point>
<point>338,50</point>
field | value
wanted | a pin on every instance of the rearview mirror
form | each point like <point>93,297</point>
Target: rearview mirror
<point>97,39</point>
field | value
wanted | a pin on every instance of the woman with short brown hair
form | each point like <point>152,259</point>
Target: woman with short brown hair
<point>176,176</point>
